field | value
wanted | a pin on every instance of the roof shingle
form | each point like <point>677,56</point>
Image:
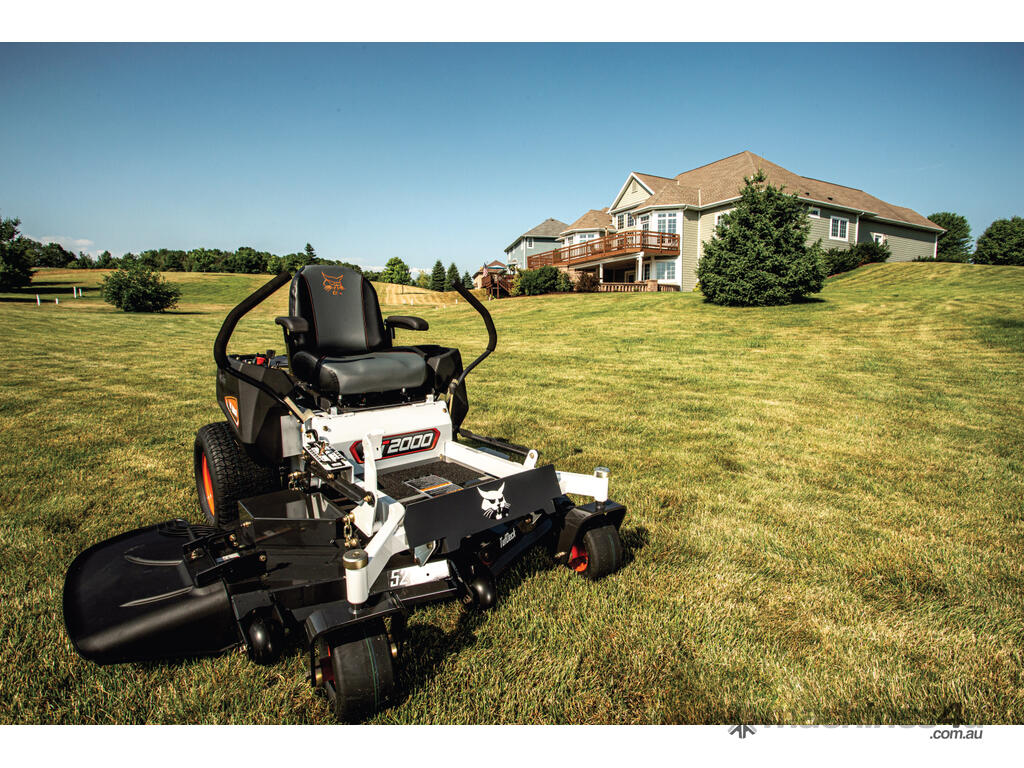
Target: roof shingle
<point>723,180</point>
<point>592,219</point>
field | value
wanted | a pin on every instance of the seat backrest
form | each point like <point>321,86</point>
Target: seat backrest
<point>342,310</point>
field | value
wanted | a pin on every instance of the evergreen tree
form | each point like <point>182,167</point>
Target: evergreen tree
<point>467,281</point>
<point>759,255</point>
<point>955,242</point>
<point>452,277</point>
<point>396,271</point>
<point>437,276</point>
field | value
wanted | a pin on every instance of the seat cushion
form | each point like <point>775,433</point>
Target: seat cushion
<point>359,374</point>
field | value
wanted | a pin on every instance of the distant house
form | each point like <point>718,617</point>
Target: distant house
<point>653,234</point>
<point>494,278</point>
<point>543,237</point>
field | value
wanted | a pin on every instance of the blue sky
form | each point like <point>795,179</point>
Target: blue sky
<point>429,151</point>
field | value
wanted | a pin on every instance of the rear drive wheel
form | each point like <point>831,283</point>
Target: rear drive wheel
<point>225,474</point>
<point>597,552</point>
<point>359,676</point>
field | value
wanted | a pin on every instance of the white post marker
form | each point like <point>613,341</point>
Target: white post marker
<point>56,301</point>
<point>38,302</point>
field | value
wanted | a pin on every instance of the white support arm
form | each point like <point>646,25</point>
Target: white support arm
<point>485,462</point>
<point>595,485</point>
<point>388,541</point>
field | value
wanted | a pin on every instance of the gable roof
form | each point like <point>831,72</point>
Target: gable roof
<point>722,180</point>
<point>592,219</point>
<point>547,228</point>
<point>651,182</point>
<point>495,266</point>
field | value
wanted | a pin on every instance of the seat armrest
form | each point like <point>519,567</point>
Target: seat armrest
<point>293,324</point>
<point>407,322</point>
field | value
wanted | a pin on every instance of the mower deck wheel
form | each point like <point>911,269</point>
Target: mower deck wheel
<point>360,676</point>
<point>225,474</point>
<point>597,553</point>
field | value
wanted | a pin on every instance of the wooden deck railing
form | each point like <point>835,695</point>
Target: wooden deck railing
<point>618,244</point>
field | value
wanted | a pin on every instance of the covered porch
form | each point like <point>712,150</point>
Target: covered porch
<point>635,274</point>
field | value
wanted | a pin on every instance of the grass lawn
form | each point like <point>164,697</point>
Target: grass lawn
<point>826,505</point>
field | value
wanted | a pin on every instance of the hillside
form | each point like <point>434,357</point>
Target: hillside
<point>825,520</point>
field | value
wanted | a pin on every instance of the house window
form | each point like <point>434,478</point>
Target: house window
<point>630,221</point>
<point>621,220</point>
<point>645,222</point>
<point>665,270</point>
<point>667,222</point>
<point>814,213</point>
<point>647,272</point>
<point>878,237</point>
<point>838,229</point>
<point>529,242</point>
<point>587,236</point>
<point>718,217</point>
<point>568,240</point>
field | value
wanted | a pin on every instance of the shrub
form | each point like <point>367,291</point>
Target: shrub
<point>534,282</point>
<point>587,282</point>
<point>1002,243</point>
<point>838,260</point>
<point>134,287</point>
<point>759,255</point>
<point>564,283</point>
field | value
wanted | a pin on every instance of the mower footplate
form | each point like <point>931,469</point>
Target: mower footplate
<point>131,599</point>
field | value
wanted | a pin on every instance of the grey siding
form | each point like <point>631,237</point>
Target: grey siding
<point>905,243</point>
<point>707,224</point>
<point>690,248</point>
<point>820,228</point>
<point>518,255</point>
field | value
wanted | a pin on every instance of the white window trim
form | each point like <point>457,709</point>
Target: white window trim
<point>846,237</point>
<point>814,213</point>
<point>718,217</point>
<point>529,242</point>
<point>879,237</point>
<point>664,219</point>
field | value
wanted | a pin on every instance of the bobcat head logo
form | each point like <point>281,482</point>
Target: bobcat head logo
<point>333,285</point>
<point>494,505</point>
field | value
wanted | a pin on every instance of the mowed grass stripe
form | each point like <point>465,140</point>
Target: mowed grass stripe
<point>825,503</point>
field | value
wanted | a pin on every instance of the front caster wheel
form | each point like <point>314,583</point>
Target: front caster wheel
<point>597,552</point>
<point>359,677</point>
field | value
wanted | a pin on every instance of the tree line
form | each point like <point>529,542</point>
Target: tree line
<point>1001,243</point>
<point>20,255</point>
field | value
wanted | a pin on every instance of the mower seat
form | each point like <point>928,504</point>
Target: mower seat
<point>382,371</point>
<point>338,342</point>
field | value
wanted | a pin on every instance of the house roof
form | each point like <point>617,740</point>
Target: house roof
<point>592,219</point>
<point>547,228</point>
<point>723,180</point>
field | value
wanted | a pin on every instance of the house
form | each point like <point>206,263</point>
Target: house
<point>543,237</point>
<point>495,278</point>
<point>653,234</point>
